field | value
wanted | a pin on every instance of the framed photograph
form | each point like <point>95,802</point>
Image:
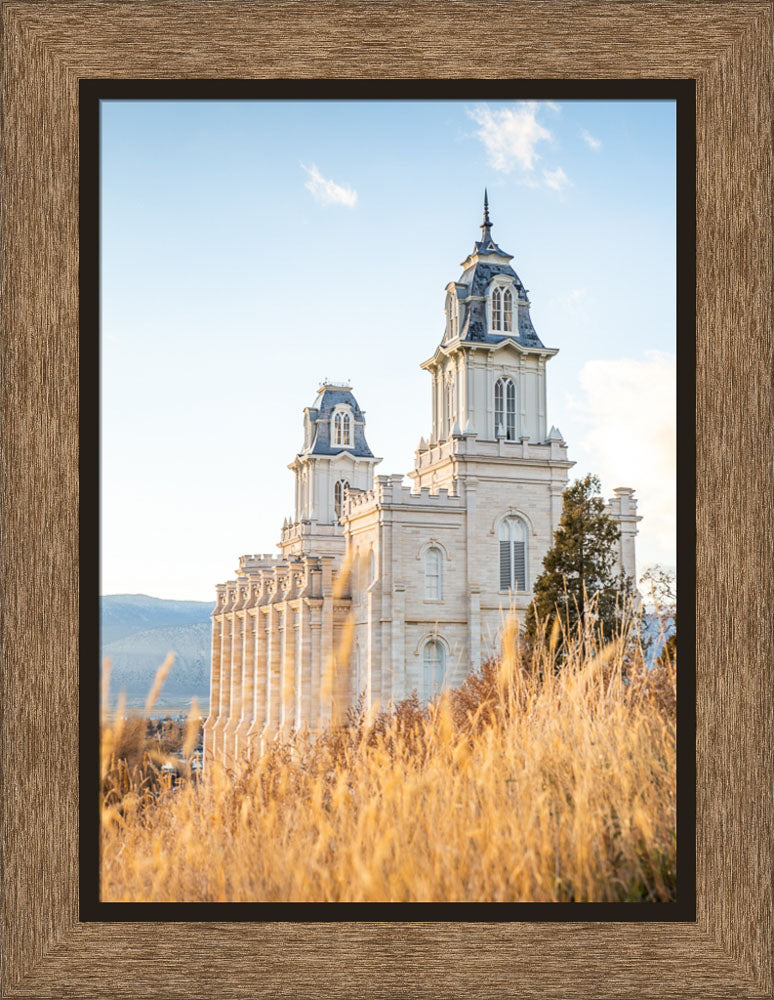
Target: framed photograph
<point>343,621</point>
<point>437,645</point>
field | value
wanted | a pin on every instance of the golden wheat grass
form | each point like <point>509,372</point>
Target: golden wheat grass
<point>534,782</point>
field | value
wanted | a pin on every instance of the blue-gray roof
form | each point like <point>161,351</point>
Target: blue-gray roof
<point>475,281</point>
<point>317,419</point>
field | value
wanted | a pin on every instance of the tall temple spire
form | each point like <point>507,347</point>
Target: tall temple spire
<point>486,225</point>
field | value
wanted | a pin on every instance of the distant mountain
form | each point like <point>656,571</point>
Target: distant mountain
<point>126,614</point>
<point>137,633</point>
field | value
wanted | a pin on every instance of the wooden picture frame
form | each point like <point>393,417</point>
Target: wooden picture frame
<point>727,49</point>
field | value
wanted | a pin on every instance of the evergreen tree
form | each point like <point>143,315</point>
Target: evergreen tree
<point>578,577</point>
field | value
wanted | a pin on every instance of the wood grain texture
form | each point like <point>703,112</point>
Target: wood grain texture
<point>728,48</point>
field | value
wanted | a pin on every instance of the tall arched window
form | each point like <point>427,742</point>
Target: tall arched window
<point>505,407</point>
<point>449,406</point>
<point>497,309</point>
<point>513,554</point>
<point>433,574</point>
<point>342,430</point>
<point>433,668</point>
<point>502,309</point>
<point>507,310</point>
<point>338,495</point>
<point>371,567</point>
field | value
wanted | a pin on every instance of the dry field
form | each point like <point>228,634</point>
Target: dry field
<point>533,782</point>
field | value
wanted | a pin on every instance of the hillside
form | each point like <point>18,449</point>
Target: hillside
<point>127,614</point>
<point>137,633</point>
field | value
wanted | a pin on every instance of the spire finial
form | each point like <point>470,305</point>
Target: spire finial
<point>486,225</point>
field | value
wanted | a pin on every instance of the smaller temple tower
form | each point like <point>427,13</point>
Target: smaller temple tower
<point>335,458</point>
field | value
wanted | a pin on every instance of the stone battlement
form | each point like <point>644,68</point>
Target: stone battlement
<point>553,449</point>
<point>259,560</point>
<point>390,491</point>
<point>284,580</point>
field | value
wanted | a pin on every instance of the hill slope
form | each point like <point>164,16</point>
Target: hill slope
<point>127,614</point>
<point>137,633</point>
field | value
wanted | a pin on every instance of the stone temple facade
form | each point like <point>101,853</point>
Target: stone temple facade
<point>382,588</point>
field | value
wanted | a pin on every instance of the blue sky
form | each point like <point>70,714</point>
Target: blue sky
<point>252,248</point>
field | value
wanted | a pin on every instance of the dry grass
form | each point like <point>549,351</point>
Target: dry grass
<point>530,783</point>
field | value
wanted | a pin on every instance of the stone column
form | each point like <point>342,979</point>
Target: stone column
<point>398,637</point>
<point>623,508</point>
<point>315,639</point>
<point>212,715</point>
<point>521,401</point>
<point>288,681</point>
<point>303,667</point>
<point>235,710</point>
<point>272,674</point>
<point>248,684</point>
<point>225,689</point>
<point>471,572</point>
<point>556,490</point>
<point>474,632</point>
<point>491,430</point>
<point>373,672</point>
<point>463,414</point>
<point>328,665</point>
<point>253,737</point>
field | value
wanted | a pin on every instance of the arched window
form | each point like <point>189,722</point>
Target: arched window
<point>497,309</point>
<point>513,554</point>
<point>502,309</point>
<point>433,668</point>
<point>449,406</point>
<point>505,408</point>
<point>338,495</point>
<point>507,310</point>
<point>342,429</point>
<point>433,574</point>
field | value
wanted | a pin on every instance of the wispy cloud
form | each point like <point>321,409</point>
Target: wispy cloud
<point>326,191</point>
<point>627,408</point>
<point>511,137</point>
<point>556,179</point>
<point>591,141</point>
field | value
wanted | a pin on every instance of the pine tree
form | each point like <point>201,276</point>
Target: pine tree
<point>578,579</point>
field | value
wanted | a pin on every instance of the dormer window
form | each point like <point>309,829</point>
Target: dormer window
<point>342,429</point>
<point>502,310</point>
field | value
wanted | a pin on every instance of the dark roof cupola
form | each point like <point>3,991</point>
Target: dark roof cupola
<point>481,268</point>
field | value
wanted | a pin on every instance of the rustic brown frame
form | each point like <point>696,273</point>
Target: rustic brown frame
<point>727,48</point>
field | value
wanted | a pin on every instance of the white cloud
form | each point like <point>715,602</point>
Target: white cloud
<point>628,410</point>
<point>511,137</point>
<point>556,179</point>
<point>328,192</point>
<point>591,141</point>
